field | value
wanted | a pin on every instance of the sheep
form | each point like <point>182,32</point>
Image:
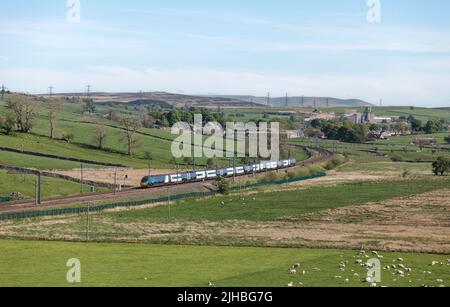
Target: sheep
<point>359,261</point>
<point>292,271</point>
<point>373,285</point>
<point>434,263</point>
<point>296,265</point>
<point>291,284</point>
<point>439,280</point>
<point>211,284</point>
<point>400,259</point>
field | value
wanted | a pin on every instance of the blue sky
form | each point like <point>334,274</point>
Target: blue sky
<point>314,48</point>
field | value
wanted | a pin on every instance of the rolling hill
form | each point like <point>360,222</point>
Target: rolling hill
<point>299,101</point>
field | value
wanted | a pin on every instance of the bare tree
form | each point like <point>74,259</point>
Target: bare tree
<point>55,107</point>
<point>100,136</point>
<point>130,126</point>
<point>23,109</point>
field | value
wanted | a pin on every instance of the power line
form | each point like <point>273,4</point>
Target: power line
<point>88,90</point>
<point>50,90</point>
<point>4,90</point>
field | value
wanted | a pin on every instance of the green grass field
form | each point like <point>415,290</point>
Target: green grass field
<point>286,204</point>
<point>25,185</point>
<point>44,264</point>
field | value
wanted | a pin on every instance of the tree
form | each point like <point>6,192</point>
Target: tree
<point>173,117</point>
<point>431,127</point>
<point>416,125</point>
<point>7,124</point>
<point>99,137</point>
<point>130,125</point>
<point>222,185</point>
<point>89,106</point>
<point>441,166</point>
<point>447,139</point>
<point>23,110</point>
<point>55,107</point>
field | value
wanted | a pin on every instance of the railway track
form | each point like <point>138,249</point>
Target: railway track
<point>318,155</point>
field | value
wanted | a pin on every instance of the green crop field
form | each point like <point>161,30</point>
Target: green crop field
<point>285,204</point>
<point>42,163</point>
<point>25,185</point>
<point>44,264</point>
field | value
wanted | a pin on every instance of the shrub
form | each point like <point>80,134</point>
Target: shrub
<point>222,185</point>
<point>68,137</point>
<point>441,166</point>
<point>396,158</point>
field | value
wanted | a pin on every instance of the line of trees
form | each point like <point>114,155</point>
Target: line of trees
<point>345,131</point>
<point>430,127</point>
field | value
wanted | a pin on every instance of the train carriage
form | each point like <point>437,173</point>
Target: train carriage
<point>211,174</point>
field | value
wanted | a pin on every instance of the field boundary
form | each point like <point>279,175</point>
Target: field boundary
<point>99,208</point>
<point>38,154</point>
<point>30,171</point>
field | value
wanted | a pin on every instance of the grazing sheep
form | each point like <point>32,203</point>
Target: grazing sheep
<point>291,284</point>
<point>373,285</point>
<point>296,265</point>
<point>400,259</point>
<point>434,263</point>
<point>211,284</point>
<point>359,261</point>
<point>292,271</point>
<point>440,280</point>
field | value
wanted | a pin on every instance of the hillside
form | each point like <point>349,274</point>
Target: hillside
<point>298,101</point>
<point>163,99</point>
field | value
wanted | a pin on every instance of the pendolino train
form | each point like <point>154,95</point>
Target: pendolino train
<point>162,180</point>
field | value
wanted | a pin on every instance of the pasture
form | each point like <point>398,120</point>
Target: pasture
<point>44,264</point>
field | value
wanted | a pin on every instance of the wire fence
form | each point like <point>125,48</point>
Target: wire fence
<point>129,204</point>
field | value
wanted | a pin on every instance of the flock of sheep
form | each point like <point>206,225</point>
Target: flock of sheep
<point>398,269</point>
